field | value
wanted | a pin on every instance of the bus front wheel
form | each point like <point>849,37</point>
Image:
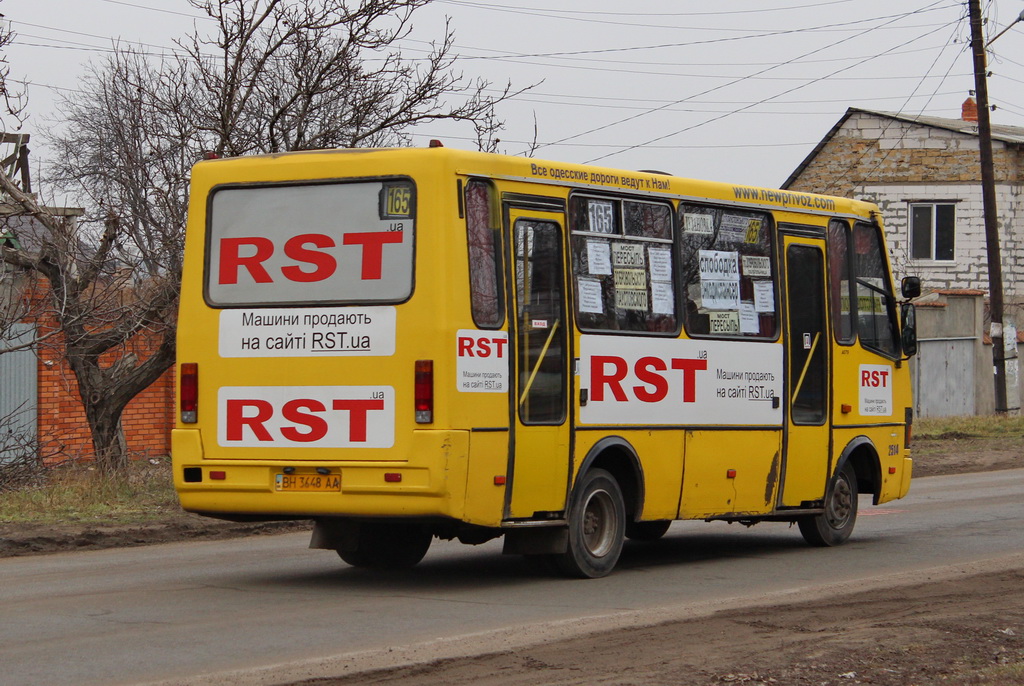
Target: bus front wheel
<point>597,524</point>
<point>387,545</point>
<point>835,524</point>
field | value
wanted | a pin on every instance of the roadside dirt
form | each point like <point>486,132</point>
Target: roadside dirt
<point>31,539</point>
<point>960,455</point>
<point>964,630</point>
<point>959,629</point>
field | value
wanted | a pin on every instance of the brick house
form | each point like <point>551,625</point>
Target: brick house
<point>43,390</point>
<point>924,174</point>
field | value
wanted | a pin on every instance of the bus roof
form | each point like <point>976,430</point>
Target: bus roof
<point>497,166</point>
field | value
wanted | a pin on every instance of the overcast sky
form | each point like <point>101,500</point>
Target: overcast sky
<point>735,91</point>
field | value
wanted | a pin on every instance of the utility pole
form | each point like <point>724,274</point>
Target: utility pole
<point>988,192</point>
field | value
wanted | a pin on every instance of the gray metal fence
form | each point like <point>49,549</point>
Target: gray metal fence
<point>944,377</point>
<point>18,392</point>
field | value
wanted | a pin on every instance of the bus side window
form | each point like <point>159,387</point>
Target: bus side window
<point>540,321</point>
<point>484,268</point>
<point>876,307</point>
<point>623,264</point>
<point>727,272</point>
<point>840,285</point>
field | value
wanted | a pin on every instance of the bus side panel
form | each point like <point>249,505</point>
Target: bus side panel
<point>887,442</point>
<point>730,472</point>
<point>485,482</point>
<point>866,381</point>
<point>661,465</point>
<point>661,458</point>
<point>898,484</point>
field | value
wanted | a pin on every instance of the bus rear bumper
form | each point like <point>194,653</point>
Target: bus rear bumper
<point>430,482</point>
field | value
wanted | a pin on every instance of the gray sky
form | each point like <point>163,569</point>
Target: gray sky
<point>739,93</point>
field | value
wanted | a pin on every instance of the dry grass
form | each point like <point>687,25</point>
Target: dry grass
<point>80,493</point>
<point>1000,675</point>
<point>969,427</point>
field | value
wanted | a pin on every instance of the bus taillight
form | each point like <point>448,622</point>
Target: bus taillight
<point>424,391</point>
<point>188,389</point>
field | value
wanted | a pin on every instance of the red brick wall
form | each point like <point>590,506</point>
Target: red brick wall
<point>61,423</point>
<point>147,420</point>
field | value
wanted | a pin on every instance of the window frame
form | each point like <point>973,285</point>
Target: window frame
<point>822,371</point>
<point>494,226</point>
<point>575,233</point>
<point>208,243</point>
<point>851,283</point>
<point>887,293</point>
<point>772,233</point>
<point>523,269</point>
<point>932,230</point>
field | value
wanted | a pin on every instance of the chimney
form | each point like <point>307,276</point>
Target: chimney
<point>969,110</point>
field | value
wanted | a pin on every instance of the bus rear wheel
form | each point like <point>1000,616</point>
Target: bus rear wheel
<point>835,524</point>
<point>387,545</point>
<point>597,525</point>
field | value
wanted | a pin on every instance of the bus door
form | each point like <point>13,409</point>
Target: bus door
<point>539,454</point>
<point>808,351</point>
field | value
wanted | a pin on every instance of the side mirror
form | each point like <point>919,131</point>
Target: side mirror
<point>911,287</point>
<point>908,327</point>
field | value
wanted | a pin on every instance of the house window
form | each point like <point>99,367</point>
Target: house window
<point>932,231</point>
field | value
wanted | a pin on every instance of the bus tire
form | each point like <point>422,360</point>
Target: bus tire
<point>647,531</point>
<point>835,524</point>
<point>597,527</point>
<point>387,545</point>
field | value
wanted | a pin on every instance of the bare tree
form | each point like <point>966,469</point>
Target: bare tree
<point>271,76</point>
<point>14,101</point>
<point>282,75</point>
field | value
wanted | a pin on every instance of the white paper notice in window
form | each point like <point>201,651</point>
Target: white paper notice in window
<point>588,293</point>
<point>764,296</point>
<point>660,263</point>
<point>599,258</point>
<point>749,320</point>
<point>664,300</point>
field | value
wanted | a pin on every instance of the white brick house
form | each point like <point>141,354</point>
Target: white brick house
<point>924,174</point>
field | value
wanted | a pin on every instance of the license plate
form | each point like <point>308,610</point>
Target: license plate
<point>307,482</point>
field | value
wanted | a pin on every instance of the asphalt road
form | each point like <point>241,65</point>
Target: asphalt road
<point>268,610</point>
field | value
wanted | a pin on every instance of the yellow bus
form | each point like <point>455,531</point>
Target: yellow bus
<point>407,343</point>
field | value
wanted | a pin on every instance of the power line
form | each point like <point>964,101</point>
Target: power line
<point>714,119</point>
<point>711,41</point>
<point>707,91</point>
<point>481,5</point>
<point>159,48</point>
<point>154,9</point>
<point>583,16</point>
<point>835,182</point>
<point>721,146</point>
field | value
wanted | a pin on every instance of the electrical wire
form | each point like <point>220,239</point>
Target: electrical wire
<point>834,182</point>
<point>706,92</point>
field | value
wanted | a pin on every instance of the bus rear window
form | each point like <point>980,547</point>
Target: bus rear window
<point>329,243</point>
